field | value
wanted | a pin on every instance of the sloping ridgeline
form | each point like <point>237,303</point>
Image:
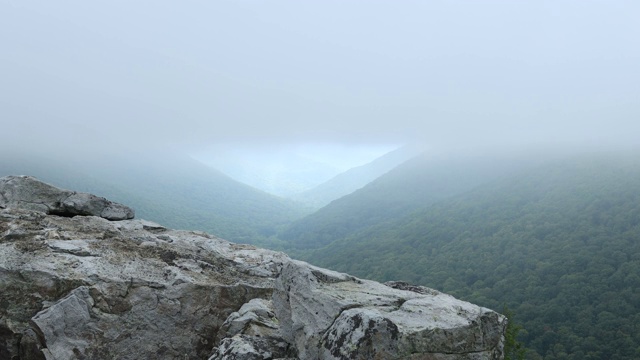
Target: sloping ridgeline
<point>169,188</point>
<point>355,178</point>
<point>416,183</point>
<point>558,244</point>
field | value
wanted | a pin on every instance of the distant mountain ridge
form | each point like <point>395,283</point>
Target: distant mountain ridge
<point>355,178</point>
<point>273,173</point>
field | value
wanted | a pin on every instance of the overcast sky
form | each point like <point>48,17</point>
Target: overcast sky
<point>100,74</point>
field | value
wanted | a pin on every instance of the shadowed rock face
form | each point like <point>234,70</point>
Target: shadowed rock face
<point>84,287</point>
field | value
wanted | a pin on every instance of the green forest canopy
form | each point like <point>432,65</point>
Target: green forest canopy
<point>559,245</point>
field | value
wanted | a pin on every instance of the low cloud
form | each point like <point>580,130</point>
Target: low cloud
<point>100,77</point>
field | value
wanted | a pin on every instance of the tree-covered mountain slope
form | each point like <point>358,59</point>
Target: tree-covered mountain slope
<point>558,244</point>
<point>414,184</point>
<point>171,189</point>
<point>355,178</point>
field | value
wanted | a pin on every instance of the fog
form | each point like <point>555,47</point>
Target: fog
<point>99,76</point>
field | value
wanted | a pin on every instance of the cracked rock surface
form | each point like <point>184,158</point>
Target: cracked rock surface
<point>85,287</point>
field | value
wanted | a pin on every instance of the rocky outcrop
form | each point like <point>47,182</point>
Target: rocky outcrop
<point>329,315</point>
<point>84,287</point>
<point>28,193</point>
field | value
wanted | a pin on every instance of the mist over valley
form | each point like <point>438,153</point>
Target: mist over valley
<point>487,150</point>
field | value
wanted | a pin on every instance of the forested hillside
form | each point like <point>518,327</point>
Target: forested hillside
<point>558,244</point>
<point>414,184</point>
<point>171,189</point>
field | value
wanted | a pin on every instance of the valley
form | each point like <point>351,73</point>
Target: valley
<point>554,237</point>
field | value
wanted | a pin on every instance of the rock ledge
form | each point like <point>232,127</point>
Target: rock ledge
<point>85,287</point>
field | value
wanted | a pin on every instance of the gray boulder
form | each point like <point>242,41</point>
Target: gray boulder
<point>29,193</point>
<point>253,332</point>
<point>244,347</point>
<point>255,318</point>
<point>330,315</point>
<point>84,287</point>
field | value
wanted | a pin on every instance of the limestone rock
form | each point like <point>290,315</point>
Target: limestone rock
<point>253,332</point>
<point>64,325</point>
<point>84,287</point>
<point>330,315</point>
<point>243,347</point>
<point>29,193</point>
<point>255,318</point>
<point>128,301</point>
